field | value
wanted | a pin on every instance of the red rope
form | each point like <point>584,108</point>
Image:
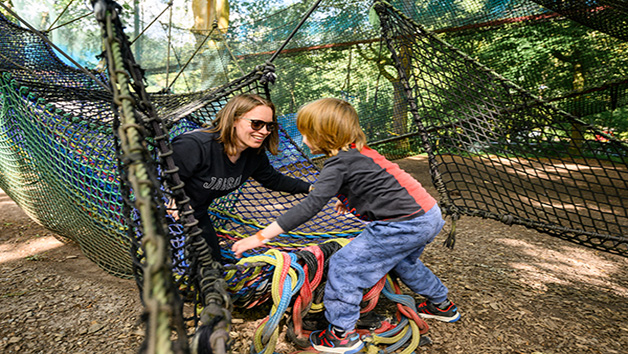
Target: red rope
<point>305,294</point>
<point>406,311</point>
<point>372,297</point>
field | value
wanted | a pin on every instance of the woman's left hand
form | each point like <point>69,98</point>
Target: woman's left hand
<point>171,209</point>
<point>340,208</point>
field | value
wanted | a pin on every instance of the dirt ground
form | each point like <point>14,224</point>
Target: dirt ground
<point>519,291</point>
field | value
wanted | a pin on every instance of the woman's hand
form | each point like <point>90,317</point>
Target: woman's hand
<point>246,244</point>
<point>340,207</point>
<point>171,209</point>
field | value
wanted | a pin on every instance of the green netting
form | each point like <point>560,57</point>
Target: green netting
<point>57,162</point>
<point>59,156</point>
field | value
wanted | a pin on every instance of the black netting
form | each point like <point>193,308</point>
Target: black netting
<point>504,154</point>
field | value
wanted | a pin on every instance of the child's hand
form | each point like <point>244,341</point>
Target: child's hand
<point>245,244</point>
<point>340,208</point>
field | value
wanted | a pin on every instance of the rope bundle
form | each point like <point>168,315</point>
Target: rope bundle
<point>296,280</point>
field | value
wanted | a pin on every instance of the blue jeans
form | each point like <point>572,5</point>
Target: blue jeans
<point>382,247</point>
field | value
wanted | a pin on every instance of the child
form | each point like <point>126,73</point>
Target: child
<point>404,219</point>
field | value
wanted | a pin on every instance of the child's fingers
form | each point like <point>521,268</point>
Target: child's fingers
<point>237,249</point>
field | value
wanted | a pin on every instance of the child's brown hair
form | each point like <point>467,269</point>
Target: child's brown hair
<point>330,125</point>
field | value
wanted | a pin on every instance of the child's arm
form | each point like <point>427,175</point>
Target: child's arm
<point>257,240</point>
<point>327,185</point>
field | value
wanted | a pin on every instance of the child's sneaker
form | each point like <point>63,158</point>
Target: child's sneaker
<point>327,341</point>
<point>446,312</point>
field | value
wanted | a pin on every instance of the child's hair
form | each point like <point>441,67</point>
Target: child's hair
<point>234,109</point>
<point>330,125</point>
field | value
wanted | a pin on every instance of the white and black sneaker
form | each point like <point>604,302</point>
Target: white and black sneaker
<point>446,311</point>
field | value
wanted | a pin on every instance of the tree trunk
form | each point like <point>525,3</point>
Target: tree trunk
<point>575,146</point>
<point>207,15</point>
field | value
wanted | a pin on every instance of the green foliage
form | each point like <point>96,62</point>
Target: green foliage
<point>541,56</point>
<point>551,59</point>
<point>614,122</point>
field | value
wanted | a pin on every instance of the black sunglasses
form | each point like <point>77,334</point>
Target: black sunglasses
<point>257,124</point>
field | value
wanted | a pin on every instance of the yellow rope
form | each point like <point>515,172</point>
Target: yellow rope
<point>276,258</point>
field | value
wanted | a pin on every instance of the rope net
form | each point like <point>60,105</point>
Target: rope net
<point>504,154</point>
<point>607,16</point>
<point>64,162</point>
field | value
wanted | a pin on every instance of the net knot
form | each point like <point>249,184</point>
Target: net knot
<point>507,219</point>
<point>267,70</point>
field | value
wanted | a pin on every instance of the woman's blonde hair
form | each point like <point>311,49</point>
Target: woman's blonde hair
<point>330,125</point>
<point>234,109</point>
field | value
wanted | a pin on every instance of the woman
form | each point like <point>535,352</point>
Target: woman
<point>214,162</point>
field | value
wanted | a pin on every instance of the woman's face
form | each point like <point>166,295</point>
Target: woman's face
<point>247,136</point>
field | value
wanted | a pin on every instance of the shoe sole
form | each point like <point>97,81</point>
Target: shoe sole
<point>441,318</point>
<point>326,350</point>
